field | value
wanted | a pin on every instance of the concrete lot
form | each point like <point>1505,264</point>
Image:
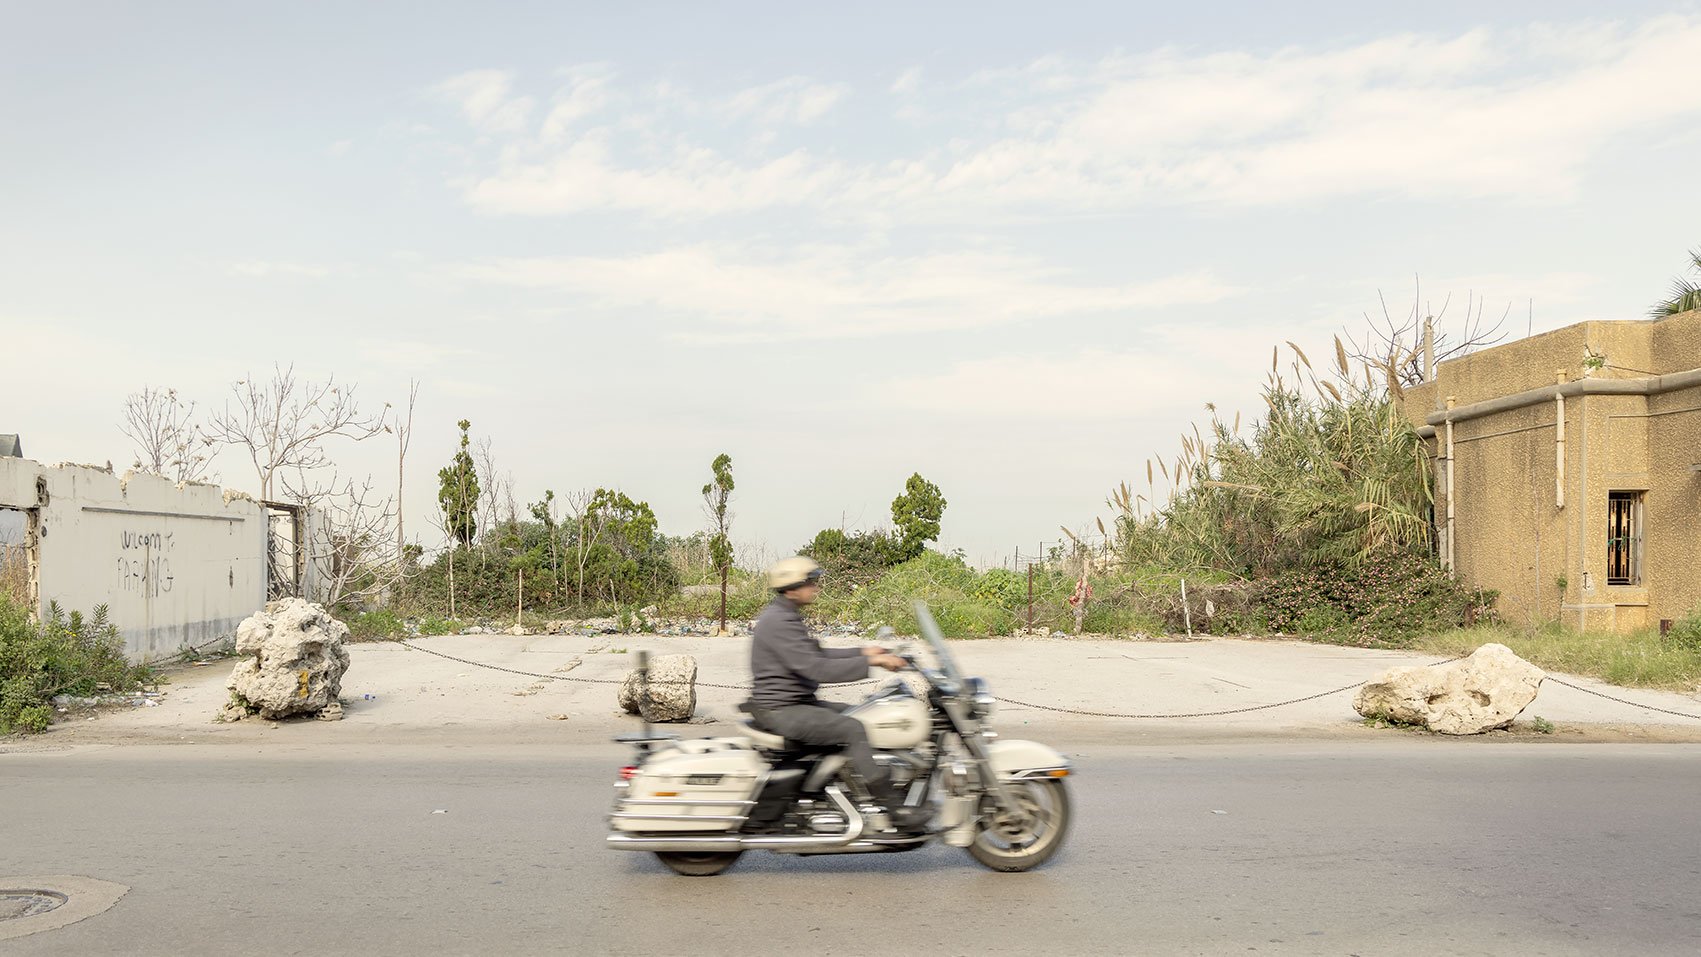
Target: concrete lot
<point>419,696</point>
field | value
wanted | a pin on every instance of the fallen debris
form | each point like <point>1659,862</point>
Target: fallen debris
<point>1483,692</point>
<point>671,694</point>
<point>294,666</point>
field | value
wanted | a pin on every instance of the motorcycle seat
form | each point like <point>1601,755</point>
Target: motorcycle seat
<point>764,740</point>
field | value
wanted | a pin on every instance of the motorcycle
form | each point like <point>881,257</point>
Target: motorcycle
<point>699,804</point>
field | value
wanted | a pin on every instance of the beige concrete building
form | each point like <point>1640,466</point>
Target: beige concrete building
<point>1568,471</point>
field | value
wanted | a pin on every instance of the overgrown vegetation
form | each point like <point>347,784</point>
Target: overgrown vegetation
<point>1333,475</point>
<point>1639,659</point>
<point>1320,511</point>
<point>862,557</point>
<point>1686,632</point>
<point>1389,599</point>
<point>62,655</point>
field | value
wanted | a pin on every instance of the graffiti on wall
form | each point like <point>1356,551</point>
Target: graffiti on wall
<point>144,565</point>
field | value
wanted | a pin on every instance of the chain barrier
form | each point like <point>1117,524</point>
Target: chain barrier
<point>1025,704</point>
<point>1030,704</point>
<point>191,651</point>
<point>1190,714</point>
<point>1634,704</point>
<point>1055,709</point>
<point>589,681</point>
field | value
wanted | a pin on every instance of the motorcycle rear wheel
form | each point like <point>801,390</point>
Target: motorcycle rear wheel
<point>1021,847</point>
<point>699,864</point>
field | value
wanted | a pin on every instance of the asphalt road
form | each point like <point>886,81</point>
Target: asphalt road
<point>1408,845</point>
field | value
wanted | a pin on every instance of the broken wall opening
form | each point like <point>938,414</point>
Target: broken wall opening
<point>286,550</point>
<point>19,556</point>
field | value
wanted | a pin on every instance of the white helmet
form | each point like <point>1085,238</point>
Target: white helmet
<point>788,573</point>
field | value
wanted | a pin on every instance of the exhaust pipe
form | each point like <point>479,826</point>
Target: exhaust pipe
<point>715,844</point>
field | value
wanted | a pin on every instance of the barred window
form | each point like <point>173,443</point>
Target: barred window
<point>1624,538</point>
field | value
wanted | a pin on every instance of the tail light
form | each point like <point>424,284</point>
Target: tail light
<point>628,772</point>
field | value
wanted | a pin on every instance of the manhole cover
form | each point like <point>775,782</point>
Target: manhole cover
<point>32,903</point>
<point>21,903</point>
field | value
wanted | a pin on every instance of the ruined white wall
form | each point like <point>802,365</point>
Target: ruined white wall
<point>174,566</point>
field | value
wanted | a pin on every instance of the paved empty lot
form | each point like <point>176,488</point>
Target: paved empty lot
<point>416,694</point>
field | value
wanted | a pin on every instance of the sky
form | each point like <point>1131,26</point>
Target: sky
<point>1014,247</point>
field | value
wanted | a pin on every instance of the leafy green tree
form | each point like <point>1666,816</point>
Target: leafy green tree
<point>852,558</point>
<point>626,560</point>
<point>546,515</point>
<point>916,515</point>
<point>715,497</point>
<point>457,492</point>
<point>1685,292</point>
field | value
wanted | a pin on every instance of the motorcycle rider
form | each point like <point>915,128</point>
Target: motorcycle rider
<point>789,665</point>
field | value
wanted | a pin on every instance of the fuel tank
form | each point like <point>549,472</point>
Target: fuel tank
<point>894,722</point>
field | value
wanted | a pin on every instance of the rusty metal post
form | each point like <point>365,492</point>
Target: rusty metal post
<point>1030,596</point>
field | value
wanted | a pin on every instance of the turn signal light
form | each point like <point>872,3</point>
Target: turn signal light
<point>1060,773</point>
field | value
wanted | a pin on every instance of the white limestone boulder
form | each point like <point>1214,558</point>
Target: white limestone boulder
<point>672,694</point>
<point>295,662</point>
<point>1482,692</point>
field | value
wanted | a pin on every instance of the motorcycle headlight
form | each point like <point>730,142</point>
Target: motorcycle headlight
<point>982,703</point>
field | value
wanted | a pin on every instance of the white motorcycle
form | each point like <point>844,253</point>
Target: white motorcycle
<point>699,804</point>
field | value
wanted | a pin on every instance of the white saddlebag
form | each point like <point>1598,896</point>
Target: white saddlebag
<point>702,784</point>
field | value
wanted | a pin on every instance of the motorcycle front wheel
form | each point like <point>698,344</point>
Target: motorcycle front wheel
<point>1006,844</point>
<point>704,864</point>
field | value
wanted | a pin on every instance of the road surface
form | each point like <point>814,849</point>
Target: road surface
<point>1403,845</point>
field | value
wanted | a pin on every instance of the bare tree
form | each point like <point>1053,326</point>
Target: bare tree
<point>404,438</point>
<point>362,560</point>
<point>1397,346</point>
<point>587,529</point>
<point>162,426</point>
<point>494,493</point>
<point>283,423</point>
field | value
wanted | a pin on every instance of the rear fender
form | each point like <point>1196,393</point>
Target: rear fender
<point>1013,759</point>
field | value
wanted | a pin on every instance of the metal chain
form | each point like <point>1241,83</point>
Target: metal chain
<point>1030,704</point>
<point>591,681</point>
<point>190,651</point>
<point>1633,704</point>
<point>1026,704</point>
<point>1191,714</point>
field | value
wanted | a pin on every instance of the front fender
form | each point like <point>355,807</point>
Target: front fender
<point>1019,759</point>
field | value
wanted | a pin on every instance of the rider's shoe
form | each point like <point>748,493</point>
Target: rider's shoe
<point>909,819</point>
<point>904,817</point>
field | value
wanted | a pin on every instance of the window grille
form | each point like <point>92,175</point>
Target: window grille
<point>1624,538</point>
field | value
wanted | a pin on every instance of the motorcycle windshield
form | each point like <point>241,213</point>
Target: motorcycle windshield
<point>936,640</point>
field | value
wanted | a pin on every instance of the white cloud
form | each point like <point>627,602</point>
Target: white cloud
<point>485,98</point>
<point>907,82</point>
<point>1090,384</point>
<point>695,182</point>
<point>833,291</point>
<point>1515,115</point>
<point>587,92</point>
<point>263,269</point>
<point>412,355</point>
<point>795,99</point>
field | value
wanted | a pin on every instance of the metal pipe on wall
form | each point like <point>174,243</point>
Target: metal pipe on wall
<point>1450,486</point>
<point>1559,444</point>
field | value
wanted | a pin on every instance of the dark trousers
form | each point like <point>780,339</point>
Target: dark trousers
<point>824,724</point>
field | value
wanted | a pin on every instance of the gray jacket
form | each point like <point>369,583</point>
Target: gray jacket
<point>788,664</point>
